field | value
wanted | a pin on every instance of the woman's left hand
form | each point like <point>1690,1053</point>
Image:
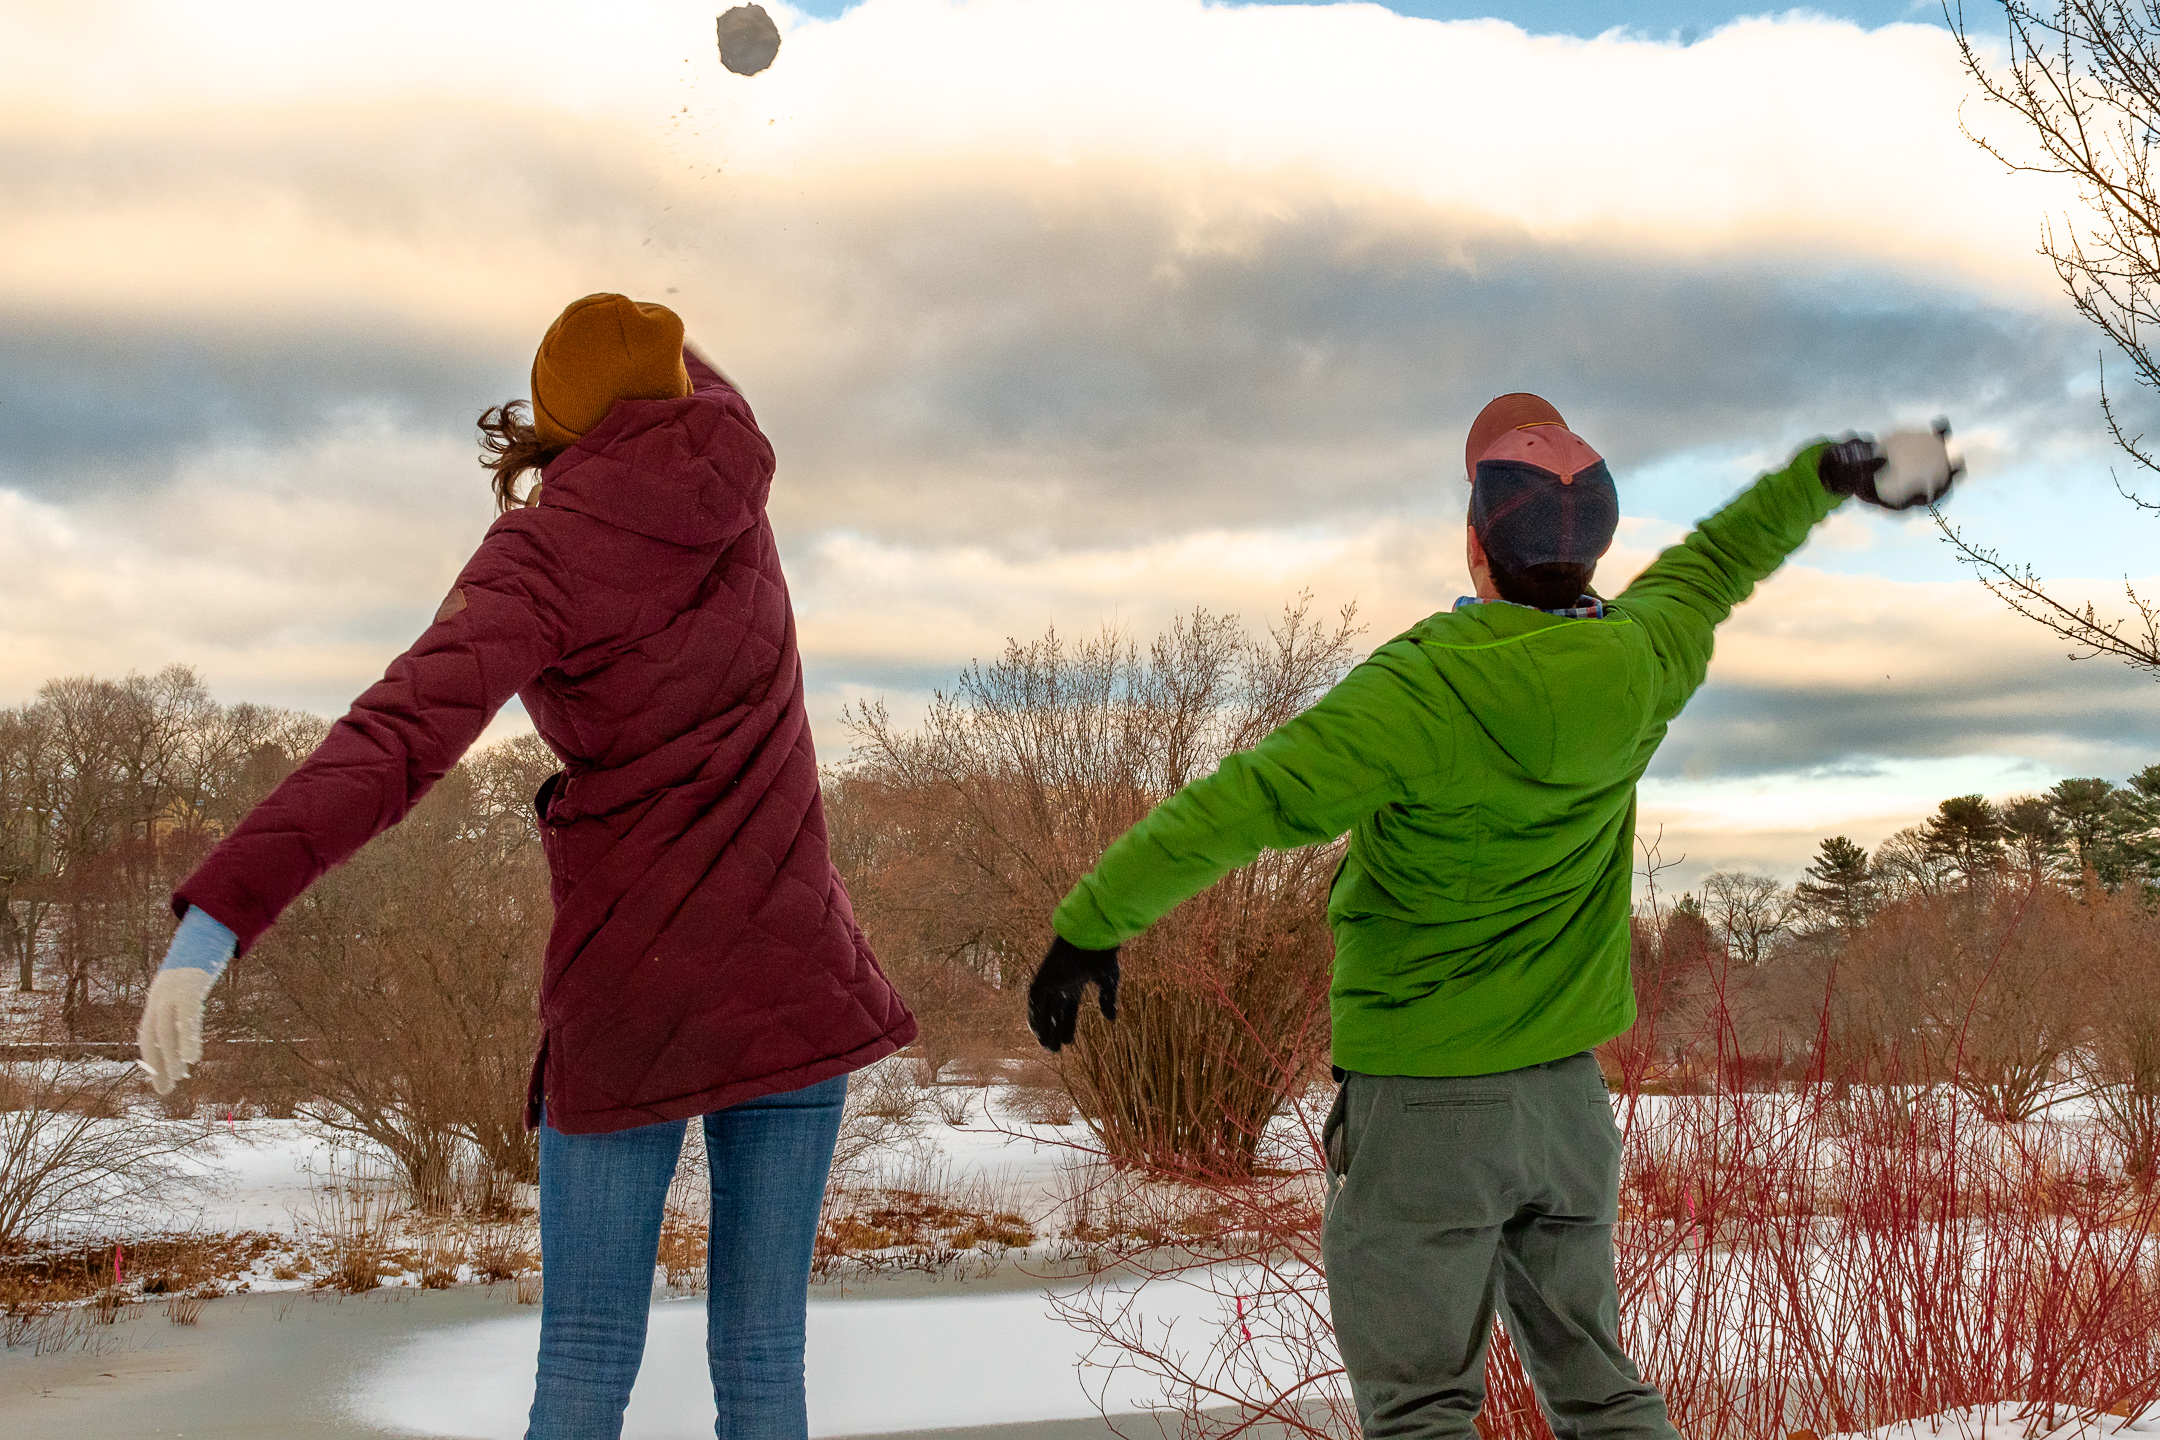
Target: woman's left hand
<point>169,1035</point>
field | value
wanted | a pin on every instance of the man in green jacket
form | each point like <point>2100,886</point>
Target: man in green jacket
<point>1484,765</point>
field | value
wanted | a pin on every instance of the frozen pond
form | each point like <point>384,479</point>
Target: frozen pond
<point>460,1363</point>
<point>875,1366</point>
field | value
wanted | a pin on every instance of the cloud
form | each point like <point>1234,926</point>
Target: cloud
<point>289,576</point>
<point>1820,677</point>
<point>86,407</point>
<point>1098,369</point>
<point>1837,672</point>
<point>1003,248</point>
<point>1772,823</point>
<point>1107,365</point>
<point>1731,143</point>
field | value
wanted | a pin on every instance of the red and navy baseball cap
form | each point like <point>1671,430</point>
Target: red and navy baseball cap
<point>1539,495</point>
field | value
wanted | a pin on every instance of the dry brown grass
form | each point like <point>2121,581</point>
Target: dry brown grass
<point>152,1265</point>
<point>501,1251</point>
<point>350,1229</point>
<point>909,1230</point>
<point>682,1254</point>
<point>169,1264</point>
<point>924,1217</point>
<point>440,1257</point>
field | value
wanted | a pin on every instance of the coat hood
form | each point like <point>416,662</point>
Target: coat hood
<point>1580,727</point>
<point>692,472</point>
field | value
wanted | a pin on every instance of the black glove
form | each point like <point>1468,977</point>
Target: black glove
<point>1850,466</point>
<point>1060,981</point>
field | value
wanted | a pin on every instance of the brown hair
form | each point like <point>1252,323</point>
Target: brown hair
<point>1553,586</point>
<point>510,446</point>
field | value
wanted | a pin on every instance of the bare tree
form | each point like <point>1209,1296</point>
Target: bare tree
<point>403,988</point>
<point>2116,939</point>
<point>27,856</point>
<point>1906,865</point>
<point>1749,912</point>
<point>109,792</point>
<point>1016,783</point>
<point>69,1152</point>
<point>2084,78</point>
<point>933,919</point>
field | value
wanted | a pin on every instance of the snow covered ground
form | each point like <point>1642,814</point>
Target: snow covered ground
<point>2011,1422</point>
<point>255,1175</point>
<point>302,1184</point>
<point>269,1175</point>
<point>887,1354</point>
<point>401,1361</point>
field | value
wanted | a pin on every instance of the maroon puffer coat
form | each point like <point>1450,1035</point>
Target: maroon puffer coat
<point>704,952</point>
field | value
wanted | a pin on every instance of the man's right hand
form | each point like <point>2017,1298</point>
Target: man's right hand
<point>1060,981</point>
<point>1906,468</point>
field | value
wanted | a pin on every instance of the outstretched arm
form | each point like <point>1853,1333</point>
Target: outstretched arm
<point>1687,592</point>
<point>492,636</point>
<point>1363,746</point>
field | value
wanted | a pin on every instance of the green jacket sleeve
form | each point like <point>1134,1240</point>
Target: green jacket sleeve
<point>1687,592</point>
<point>1366,743</point>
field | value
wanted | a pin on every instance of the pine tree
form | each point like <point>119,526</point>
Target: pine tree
<point>2136,826</point>
<point>2086,808</point>
<point>2039,842</point>
<point>1966,833</point>
<point>1839,893</point>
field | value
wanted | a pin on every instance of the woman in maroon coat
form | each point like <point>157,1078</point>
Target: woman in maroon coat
<point>704,959</point>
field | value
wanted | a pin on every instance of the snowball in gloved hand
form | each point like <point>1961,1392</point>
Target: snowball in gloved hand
<point>1903,469</point>
<point>748,39</point>
<point>1920,467</point>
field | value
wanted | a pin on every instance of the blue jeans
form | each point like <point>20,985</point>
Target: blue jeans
<point>601,1198</point>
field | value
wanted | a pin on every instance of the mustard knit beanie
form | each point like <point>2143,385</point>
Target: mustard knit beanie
<point>602,349</point>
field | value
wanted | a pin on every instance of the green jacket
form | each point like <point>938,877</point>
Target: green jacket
<point>1484,763</point>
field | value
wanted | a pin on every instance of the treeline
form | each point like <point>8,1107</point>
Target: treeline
<point>110,791</point>
<point>2081,833</point>
<point>395,1000</point>
<point>2010,950</point>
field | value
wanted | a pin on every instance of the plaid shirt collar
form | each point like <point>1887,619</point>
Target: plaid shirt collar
<point>1586,607</point>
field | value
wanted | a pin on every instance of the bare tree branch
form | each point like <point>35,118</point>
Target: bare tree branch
<point>2023,590</point>
<point>2083,77</point>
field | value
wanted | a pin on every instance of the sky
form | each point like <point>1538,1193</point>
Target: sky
<point>1072,312</point>
<point>1658,19</point>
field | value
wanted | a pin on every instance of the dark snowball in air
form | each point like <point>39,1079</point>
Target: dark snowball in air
<point>748,39</point>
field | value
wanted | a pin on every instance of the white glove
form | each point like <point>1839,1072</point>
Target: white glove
<point>170,1034</point>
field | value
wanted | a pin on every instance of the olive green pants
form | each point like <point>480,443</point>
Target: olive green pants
<point>1447,1197</point>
